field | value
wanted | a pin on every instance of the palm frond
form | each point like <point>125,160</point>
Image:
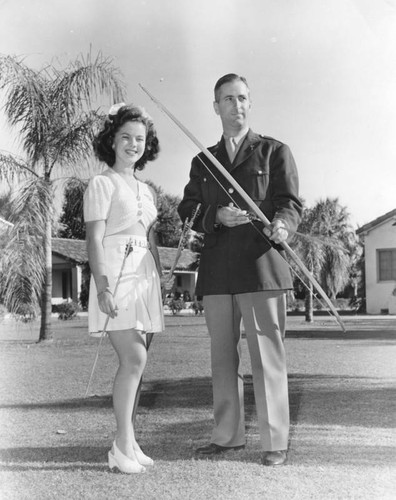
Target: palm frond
<point>13,169</point>
<point>71,144</point>
<point>20,292</point>
<point>22,260</point>
<point>83,81</point>
<point>319,240</point>
<point>326,242</point>
<point>22,272</point>
<point>335,281</point>
<point>31,203</point>
<point>26,103</point>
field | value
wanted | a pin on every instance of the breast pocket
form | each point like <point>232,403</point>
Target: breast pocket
<point>258,179</point>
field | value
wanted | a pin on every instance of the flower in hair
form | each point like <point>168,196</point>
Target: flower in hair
<point>144,113</point>
<point>115,107</point>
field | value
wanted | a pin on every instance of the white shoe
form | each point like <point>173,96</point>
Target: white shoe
<point>117,460</point>
<point>142,458</point>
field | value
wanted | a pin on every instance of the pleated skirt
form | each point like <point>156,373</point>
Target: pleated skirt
<point>137,294</point>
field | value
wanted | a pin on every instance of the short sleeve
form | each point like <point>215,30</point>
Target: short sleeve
<point>97,198</point>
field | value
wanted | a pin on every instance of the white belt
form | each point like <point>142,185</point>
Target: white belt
<point>139,243</point>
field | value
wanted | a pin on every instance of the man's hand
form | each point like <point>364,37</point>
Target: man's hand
<point>278,232</point>
<point>231,216</point>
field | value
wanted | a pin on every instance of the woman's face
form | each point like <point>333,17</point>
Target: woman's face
<point>130,142</point>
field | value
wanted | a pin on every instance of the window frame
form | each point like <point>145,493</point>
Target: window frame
<point>393,261</point>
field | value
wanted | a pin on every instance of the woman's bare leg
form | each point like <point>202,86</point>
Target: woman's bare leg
<point>132,354</point>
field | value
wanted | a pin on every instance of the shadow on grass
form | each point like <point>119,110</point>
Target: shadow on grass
<point>318,451</point>
<point>349,335</point>
<point>323,403</point>
<point>94,402</point>
<point>84,458</point>
<point>334,400</point>
<point>318,454</point>
<point>54,458</point>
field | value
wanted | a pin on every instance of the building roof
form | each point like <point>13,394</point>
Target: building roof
<point>376,222</point>
<point>75,250</point>
<point>187,262</point>
<point>69,249</point>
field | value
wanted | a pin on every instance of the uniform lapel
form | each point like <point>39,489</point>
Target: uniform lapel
<point>220,152</point>
<point>251,141</point>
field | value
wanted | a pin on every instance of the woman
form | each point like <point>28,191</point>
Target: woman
<point>119,209</point>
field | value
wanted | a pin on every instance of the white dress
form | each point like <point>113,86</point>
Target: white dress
<point>138,293</point>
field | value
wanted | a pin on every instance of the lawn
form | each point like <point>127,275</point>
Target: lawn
<point>54,442</point>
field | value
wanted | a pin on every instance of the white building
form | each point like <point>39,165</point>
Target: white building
<point>379,238</point>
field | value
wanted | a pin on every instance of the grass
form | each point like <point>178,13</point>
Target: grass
<point>53,442</point>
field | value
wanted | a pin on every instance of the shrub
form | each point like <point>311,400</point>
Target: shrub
<point>67,310</point>
<point>175,305</point>
<point>358,304</point>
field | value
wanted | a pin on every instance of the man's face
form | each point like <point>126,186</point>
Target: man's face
<point>233,105</point>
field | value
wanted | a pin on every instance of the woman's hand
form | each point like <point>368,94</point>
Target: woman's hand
<point>107,304</point>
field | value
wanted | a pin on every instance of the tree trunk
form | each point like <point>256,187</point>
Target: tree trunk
<point>46,296</point>
<point>309,303</point>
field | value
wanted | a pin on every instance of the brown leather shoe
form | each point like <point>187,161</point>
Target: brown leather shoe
<point>216,449</point>
<point>274,457</point>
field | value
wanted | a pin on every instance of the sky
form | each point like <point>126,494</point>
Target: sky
<point>322,76</point>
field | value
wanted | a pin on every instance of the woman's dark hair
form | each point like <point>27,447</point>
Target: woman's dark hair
<point>103,142</point>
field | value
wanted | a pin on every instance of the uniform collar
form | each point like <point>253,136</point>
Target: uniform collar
<point>248,146</point>
<point>239,137</point>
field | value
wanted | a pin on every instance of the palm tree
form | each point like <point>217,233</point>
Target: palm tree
<point>52,111</point>
<point>326,243</point>
<point>340,244</point>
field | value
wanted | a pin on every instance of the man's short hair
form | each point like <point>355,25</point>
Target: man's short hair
<point>230,77</point>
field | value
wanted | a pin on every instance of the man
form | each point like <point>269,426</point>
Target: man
<point>242,274</point>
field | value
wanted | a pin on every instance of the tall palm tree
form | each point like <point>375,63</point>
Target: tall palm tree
<point>332,221</point>
<point>326,243</point>
<point>52,110</point>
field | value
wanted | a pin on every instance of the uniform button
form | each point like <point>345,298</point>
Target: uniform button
<point>204,179</point>
<point>139,212</point>
<point>231,190</point>
<point>260,172</point>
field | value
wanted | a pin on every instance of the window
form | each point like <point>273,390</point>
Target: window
<point>387,264</point>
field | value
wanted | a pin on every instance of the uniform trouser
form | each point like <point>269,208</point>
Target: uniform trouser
<point>264,317</point>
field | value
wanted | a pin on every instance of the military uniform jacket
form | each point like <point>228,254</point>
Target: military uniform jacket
<point>241,259</point>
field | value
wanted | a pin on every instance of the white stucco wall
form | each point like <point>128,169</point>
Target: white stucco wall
<point>379,294</point>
